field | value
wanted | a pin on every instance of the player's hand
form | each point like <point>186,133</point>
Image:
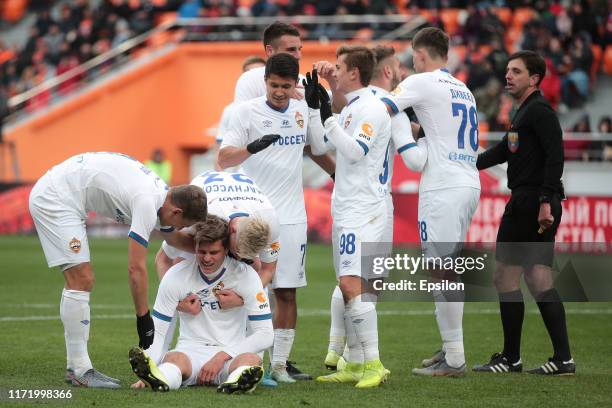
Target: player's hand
<point>258,145</point>
<point>326,71</point>
<point>146,330</point>
<point>190,304</point>
<point>326,109</point>
<point>139,384</point>
<point>545,218</point>
<point>210,370</point>
<point>311,89</point>
<point>229,299</point>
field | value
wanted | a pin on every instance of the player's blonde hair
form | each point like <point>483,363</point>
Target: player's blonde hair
<point>251,236</point>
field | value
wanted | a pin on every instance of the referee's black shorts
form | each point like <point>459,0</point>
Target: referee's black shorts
<point>518,241</point>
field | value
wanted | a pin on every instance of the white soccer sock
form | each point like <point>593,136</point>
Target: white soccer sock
<point>172,374</point>
<point>283,341</point>
<point>353,352</point>
<point>337,331</point>
<point>365,321</point>
<point>75,315</point>
<point>449,316</point>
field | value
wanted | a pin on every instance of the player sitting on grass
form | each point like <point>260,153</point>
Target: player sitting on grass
<point>213,348</point>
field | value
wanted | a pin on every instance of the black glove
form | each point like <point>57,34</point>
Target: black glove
<point>311,89</point>
<point>261,143</point>
<point>146,330</point>
<point>326,110</point>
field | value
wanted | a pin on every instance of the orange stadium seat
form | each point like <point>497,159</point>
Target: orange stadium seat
<point>504,14</point>
<point>13,10</point>
<point>521,16</point>
<point>608,60</point>
<point>450,18</point>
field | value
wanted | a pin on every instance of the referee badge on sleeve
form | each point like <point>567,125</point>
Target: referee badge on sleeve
<point>513,141</point>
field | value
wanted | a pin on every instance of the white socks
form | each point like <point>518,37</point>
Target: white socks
<point>337,331</point>
<point>172,374</point>
<point>283,341</point>
<point>450,322</point>
<point>362,317</point>
<point>75,315</point>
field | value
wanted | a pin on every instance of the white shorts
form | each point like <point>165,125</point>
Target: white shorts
<point>199,355</point>
<point>388,233</point>
<point>60,228</point>
<point>291,266</point>
<point>445,217</point>
<point>348,250</point>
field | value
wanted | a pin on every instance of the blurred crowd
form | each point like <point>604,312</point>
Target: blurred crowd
<point>566,32</point>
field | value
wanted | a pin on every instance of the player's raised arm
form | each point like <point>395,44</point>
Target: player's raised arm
<point>356,146</point>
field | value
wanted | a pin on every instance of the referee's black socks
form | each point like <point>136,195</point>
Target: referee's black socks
<point>553,314</point>
<point>512,311</point>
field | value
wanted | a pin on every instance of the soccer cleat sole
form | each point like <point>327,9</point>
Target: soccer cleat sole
<point>140,365</point>
<point>246,383</point>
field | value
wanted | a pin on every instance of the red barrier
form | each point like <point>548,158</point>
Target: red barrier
<point>585,219</point>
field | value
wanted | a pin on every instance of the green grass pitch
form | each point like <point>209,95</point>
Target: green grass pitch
<point>32,352</point>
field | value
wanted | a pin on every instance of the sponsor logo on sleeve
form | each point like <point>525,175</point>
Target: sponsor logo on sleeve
<point>261,297</point>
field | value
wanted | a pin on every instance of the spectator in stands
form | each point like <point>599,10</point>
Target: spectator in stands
<point>160,165</point>
<point>578,149</point>
<point>487,100</point>
<point>189,9</point>
<point>4,111</point>
<point>576,83</point>
<point>605,129</point>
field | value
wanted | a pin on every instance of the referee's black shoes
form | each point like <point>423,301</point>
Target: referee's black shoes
<point>555,367</point>
<point>499,364</point>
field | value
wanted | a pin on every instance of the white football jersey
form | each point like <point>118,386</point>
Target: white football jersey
<point>224,122</point>
<point>252,84</point>
<point>360,190</point>
<point>212,326</point>
<point>277,170</point>
<point>447,112</point>
<point>232,195</point>
<point>115,186</point>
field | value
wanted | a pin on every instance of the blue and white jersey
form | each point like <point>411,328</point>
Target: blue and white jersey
<point>360,190</point>
<point>213,326</point>
<point>115,186</point>
<point>278,168</point>
<point>447,112</point>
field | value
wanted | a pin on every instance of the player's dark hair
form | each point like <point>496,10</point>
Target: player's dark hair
<point>434,40</point>
<point>533,61</point>
<point>190,199</point>
<point>381,53</point>
<point>360,57</point>
<point>253,59</point>
<point>283,65</point>
<point>276,30</point>
<point>212,230</point>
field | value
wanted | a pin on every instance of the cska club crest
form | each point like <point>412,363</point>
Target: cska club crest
<point>513,141</point>
<point>299,119</point>
<point>75,245</point>
<point>347,122</point>
<point>217,288</point>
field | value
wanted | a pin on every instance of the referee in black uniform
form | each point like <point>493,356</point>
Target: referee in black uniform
<point>533,148</point>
